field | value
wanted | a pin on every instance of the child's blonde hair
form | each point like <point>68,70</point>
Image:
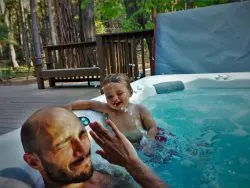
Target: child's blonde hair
<point>118,78</point>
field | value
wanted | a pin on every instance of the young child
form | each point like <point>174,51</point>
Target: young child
<point>131,119</point>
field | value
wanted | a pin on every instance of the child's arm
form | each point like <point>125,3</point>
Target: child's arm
<point>86,105</point>
<point>148,122</point>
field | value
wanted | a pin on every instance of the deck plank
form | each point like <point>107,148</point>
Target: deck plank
<point>18,102</point>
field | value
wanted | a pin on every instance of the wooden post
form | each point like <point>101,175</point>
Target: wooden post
<point>112,56</point>
<point>143,56</point>
<point>126,56</point>
<point>134,57</point>
<point>39,78</point>
<point>100,57</point>
<point>36,43</point>
<point>152,60</point>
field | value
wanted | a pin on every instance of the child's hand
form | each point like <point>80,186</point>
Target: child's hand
<point>148,150</point>
<point>147,146</point>
<point>151,133</point>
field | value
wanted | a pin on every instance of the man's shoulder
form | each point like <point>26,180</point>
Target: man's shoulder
<point>110,181</point>
<point>117,176</point>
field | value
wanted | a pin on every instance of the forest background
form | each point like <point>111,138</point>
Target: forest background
<point>28,25</point>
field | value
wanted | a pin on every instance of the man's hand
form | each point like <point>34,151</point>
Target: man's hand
<point>117,149</point>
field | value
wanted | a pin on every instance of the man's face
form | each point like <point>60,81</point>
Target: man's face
<point>65,153</point>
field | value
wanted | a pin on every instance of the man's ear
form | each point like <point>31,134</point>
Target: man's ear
<point>33,160</point>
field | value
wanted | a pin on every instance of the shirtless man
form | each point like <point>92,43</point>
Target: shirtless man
<point>58,146</point>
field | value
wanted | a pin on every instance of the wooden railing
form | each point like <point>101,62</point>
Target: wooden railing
<point>76,55</point>
<point>129,53</point>
<point>126,53</point>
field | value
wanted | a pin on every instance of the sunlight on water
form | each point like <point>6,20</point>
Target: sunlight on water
<point>208,140</point>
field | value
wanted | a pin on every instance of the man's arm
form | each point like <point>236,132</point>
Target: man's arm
<point>118,150</point>
<point>86,105</point>
<point>144,175</point>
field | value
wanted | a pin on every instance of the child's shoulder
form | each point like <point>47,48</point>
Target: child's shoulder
<point>139,107</point>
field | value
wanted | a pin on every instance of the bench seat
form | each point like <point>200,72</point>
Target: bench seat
<point>68,75</point>
<point>71,72</point>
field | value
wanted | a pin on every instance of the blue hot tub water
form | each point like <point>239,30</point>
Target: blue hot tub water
<point>208,140</point>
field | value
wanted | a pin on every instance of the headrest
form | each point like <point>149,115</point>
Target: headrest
<point>15,177</point>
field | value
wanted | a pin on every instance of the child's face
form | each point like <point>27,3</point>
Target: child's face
<point>117,95</point>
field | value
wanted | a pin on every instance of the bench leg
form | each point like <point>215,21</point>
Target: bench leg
<point>52,82</point>
<point>88,83</point>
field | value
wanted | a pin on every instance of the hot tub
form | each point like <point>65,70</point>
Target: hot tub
<point>197,152</point>
<point>206,122</point>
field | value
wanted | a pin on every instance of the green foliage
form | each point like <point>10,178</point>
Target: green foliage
<point>162,5</point>
<point>23,69</point>
<point>11,2</point>
<point>113,11</point>
<point>5,71</point>
<point>8,72</point>
<point>150,25</point>
<point>100,28</point>
<point>203,3</point>
<point>145,11</point>
<point>3,33</point>
<point>130,25</point>
<point>84,4</point>
<point>109,10</point>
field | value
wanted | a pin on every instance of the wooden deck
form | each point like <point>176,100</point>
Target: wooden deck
<point>18,102</point>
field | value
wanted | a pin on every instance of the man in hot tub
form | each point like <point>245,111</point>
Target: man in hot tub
<point>57,145</point>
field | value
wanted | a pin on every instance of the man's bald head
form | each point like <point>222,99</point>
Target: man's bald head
<point>37,123</point>
<point>56,144</point>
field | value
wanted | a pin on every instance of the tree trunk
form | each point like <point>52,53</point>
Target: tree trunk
<point>132,6</point>
<point>67,33</point>
<point>35,33</point>
<point>51,23</point>
<point>25,42</point>
<point>87,22</point>
<point>2,6</point>
<point>44,28</point>
<point>66,26</point>
<point>10,37</point>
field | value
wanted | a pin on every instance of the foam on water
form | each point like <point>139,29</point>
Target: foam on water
<point>207,137</point>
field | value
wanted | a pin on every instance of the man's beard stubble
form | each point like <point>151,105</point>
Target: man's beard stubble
<point>63,176</point>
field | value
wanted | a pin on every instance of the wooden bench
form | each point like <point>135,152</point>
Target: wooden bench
<point>69,63</point>
<point>68,75</point>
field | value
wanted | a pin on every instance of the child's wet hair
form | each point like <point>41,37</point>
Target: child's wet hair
<point>118,78</point>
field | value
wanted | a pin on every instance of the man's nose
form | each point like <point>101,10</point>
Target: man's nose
<point>78,148</point>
